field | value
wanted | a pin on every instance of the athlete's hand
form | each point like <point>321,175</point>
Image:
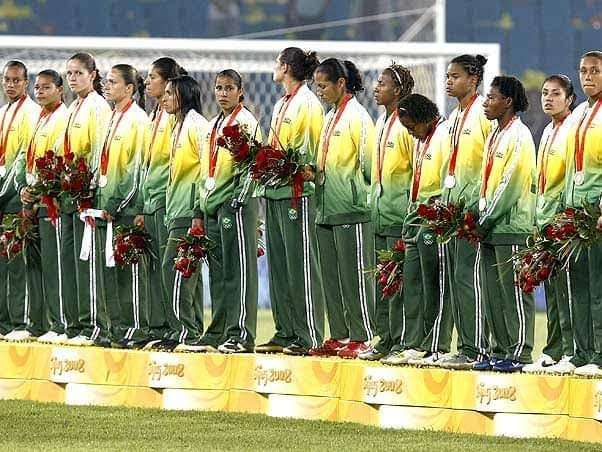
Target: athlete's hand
<point>139,221</point>
<point>308,173</point>
<point>27,197</point>
<point>107,216</point>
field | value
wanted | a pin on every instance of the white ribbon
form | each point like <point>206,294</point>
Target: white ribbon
<point>109,257</point>
<point>84,253</point>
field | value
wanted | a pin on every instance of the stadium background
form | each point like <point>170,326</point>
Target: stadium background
<point>537,37</point>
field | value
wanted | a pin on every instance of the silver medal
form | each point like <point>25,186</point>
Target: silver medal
<point>210,183</point>
<point>579,178</point>
<point>541,202</point>
<point>378,189</point>
<point>31,178</point>
<point>450,181</point>
<point>102,181</point>
<point>2,171</point>
<point>482,204</point>
<point>321,178</point>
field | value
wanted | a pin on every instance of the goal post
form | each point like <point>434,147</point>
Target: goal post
<point>254,59</point>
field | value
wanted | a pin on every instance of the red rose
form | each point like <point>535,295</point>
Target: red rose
<point>16,247</point>
<point>400,246</point>
<point>242,153</point>
<point>138,241</point>
<point>569,213</point>
<point>197,232</point>
<point>260,251</point>
<point>232,131</point>
<point>119,258</point>
<point>81,165</point>
<point>198,251</point>
<point>543,273</point>
<point>122,248</point>
<point>182,264</point>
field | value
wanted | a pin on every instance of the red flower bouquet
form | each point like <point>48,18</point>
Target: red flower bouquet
<point>192,250</point>
<point>47,185</point>
<point>18,232</point>
<point>77,181</point>
<point>130,245</point>
<point>449,220</point>
<point>389,269</point>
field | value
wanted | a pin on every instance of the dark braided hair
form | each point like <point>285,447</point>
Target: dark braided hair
<point>418,108</point>
<point>402,77</point>
<point>472,64</point>
<point>511,87</point>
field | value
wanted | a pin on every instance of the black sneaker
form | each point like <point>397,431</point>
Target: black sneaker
<point>269,347</point>
<point>296,349</point>
<point>234,346</point>
<point>166,345</point>
<point>198,346</point>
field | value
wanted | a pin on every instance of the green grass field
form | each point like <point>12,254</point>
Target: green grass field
<point>50,427</point>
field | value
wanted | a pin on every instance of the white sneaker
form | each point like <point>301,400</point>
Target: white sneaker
<point>432,360</point>
<point>80,341</point>
<point>589,370</point>
<point>410,354</point>
<point>47,337</point>
<point>59,339</point>
<point>539,365</point>
<point>19,336</point>
<point>149,344</point>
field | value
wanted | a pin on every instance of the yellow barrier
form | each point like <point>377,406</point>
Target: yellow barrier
<point>307,388</point>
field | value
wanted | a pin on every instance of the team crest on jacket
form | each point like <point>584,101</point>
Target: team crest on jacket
<point>227,223</point>
<point>428,239</point>
<point>292,214</point>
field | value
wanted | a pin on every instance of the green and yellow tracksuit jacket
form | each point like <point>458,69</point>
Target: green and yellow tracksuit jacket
<point>86,129</point>
<point>17,136</point>
<point>185,169</point>
<point>509,194</point>
<point>299,129</point>
<point>230,183</point>
<point>391,175</point>
<point>48,132</point>
<point>125,155</point>
<point>590,191</point>
<point>469,160</point>
<point>551,171</point>
<point>430,165</point>
<point>155,164</point>
<point>342,196</point>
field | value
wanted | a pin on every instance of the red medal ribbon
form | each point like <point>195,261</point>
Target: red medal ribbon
<point>580,138</point>
<point>456,133</point>
<point>10,123</point>
<point>382,144</point>
<point>492,146</point>
<point>213,139</point>
<point>330,128</point>
<point>280,118</point>
<point>104,156</point>
<point>31,148</point>
<point>420,159</point>
<point>72,116</point>
<point>545,155</point>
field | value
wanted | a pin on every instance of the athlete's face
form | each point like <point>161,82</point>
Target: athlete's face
<point>14,83</point>
<point>46,92</point>
<point>279,70</point>
<point>458,82</point>
<point>496,104</point>
<point>79,79</point>
<point>418,130</point>
<point>227,93</point>
<point>154,84</point>
<point>115,89</point>
<point>554,100</point>
<point>386,91</point>
<point>169,100</point>
<point>590,75</point>
<point>329,92</point>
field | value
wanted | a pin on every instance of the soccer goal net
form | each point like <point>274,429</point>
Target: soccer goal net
<point>254,59</point>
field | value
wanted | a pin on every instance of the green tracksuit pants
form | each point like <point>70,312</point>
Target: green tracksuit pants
<point>70,263</point>
<point>180,294</point>
<point>426,295</point>
<point>585,298</point>
<point>233,274</point>
<point>559,341</point>
<point>24,291</point>
<point>510,312</point>
<point>4,317</point>
<point>125,291</point>
<point>52,265</point>
<point>390,315</point>
<point>466,290</point>
<point>155,226</point>
<point>346,256</point>
<point>296,294</point>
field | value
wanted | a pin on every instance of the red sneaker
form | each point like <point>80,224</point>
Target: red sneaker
<point>330,347</point>
<point>352,349</point>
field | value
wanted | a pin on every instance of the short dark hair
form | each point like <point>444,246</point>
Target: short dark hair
<point>472,64</point>
<point>512,88</point>
<point>17,64</point>
<point>56,78</point>
<point>335,69</point>
<point>418,108</point>
<point>302,64</point>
